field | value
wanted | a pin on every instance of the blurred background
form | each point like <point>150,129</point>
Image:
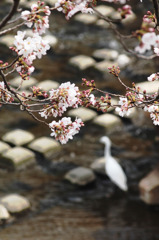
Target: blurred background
<point>99,210</point>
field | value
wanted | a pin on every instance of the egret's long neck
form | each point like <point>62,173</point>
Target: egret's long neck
<point>107,150</point>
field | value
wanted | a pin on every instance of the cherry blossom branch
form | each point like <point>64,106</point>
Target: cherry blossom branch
<point>122,37</point>
<point>11,64</point>
<point>10,14</point>
<point>36,118</point>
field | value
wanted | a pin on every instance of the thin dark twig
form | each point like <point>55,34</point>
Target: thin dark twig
<point>11,64</point>
<point>10,14</point>
<point>37,119</point>
<point>122,37</point>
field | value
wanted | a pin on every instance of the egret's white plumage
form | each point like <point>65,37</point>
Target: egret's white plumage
<point>112,167</point>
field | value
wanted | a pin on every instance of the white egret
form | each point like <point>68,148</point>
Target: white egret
<point>112,167</point>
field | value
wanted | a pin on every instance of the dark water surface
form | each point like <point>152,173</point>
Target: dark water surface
<point>100,211</point>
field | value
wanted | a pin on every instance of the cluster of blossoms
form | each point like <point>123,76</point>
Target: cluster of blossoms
<point>154,113</point>
<point>67,95</point>
<point>69,8</point>
<point>153,77</point>
<point>29,49</point>
<point>125,11</point>
<point>65,129</point>
<point>148,41</point>
<point>35,20</point>
<point>124,107</point>
<point>147,36</point>
<point>149,17</point>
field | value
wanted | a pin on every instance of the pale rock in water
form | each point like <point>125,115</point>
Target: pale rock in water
<point>149,187</point>
<point>80,176</point>
<point>82,62</point>
<point>46,146</point>
<point>98,166</point>
<point>47,85</point>
<point>17,158</point>
<point>4,215</point>
<point>85,18</point>
<point>84,113</point>
<point>4,147</point>
<point>104,53</point>
<point>15,203</point>
<point>18,137</point>
<point>17,81</point>
<point>108,121</point>
<point>105,10</point>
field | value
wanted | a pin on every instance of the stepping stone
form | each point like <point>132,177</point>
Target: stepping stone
<point>98,166</point>
<point>129,19</point>
<point>17,158</point>
<point>4,214</point>
<point>15,82</point>
<point>81,62</point>
<point>105,10</point>
<point>27,4</point>
<point>51,2</point>
<point>123,60</point>
<point>104,65</point>
<point>15,203</point>
<point>7,40</point>
<point>102,23</point>
<point>18,137</point>
<point>86,18</point>
<point>80,176</point>
<point>52,40</point>
<point>116,16</point>
<point>108,120</point>
<point>48,85</point>
<point>4,147</point>
<point>46,146</point>
<point>107,54</point>
<point>150,87</point>
<point>85,114</point>
<point>149,187</point>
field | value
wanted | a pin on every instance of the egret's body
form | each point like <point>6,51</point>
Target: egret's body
<point>112,167</point>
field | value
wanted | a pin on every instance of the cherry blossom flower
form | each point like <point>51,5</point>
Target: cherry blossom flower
<point>67,95</point>
<point>148,41</point>
<point>69,8</point>
<point>33,17</point>
<point>151,108</point>
<point>65,129</point>
<point>153,77</point>
<point>124,109</point>
<point>29,49</point>
<point>155,118</point>
<point>92,99</point>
